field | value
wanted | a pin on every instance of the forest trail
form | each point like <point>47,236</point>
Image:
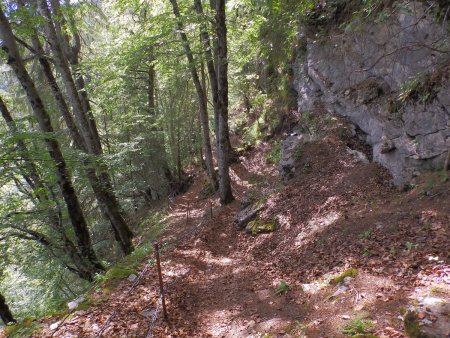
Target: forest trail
<point>337,214</point>
<point>215,287</point>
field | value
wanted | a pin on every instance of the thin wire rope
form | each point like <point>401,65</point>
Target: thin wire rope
<point>163,247</point>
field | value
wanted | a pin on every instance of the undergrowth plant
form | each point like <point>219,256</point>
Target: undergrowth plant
<point>282,287</point>
<point>274,155</point>
<point>357,326</point>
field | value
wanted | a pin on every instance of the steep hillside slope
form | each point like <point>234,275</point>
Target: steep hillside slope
<point>337,215</point>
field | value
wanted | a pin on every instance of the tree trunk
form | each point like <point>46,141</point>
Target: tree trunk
<point>151,81</point>
<point>207,50</point>
<point>198,120</point>
<point>77,95</point>
<point>43,194</point>
<point>76,215</point>
<point>201,98</point>
<point>62,65</point>
<point>5,312</point>
<point>223,151</point>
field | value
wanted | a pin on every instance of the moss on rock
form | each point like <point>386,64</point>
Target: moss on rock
<point>119,273</point>
<point>352,272</point>
<point>413,327</point>
<point>259,226</point>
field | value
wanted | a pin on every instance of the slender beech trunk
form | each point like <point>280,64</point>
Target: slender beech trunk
<point>5,312</point>
<point>205,94</point>
<point>64,179</point>
<point>72,52</point>
<point>100,188</point>
<point>63,67</point>
<point>200,96</point>
<point>223,149</point>
<point>211,55</point>
<point>77,95</point>
<point>42,194</point>
<point>207,50</point>
<point>151,81</point>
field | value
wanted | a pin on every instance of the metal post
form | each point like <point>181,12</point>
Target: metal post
<point>161,284</point>
<point>188,211</point>
<point>210,209</point>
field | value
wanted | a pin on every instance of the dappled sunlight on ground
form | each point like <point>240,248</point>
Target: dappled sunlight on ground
<point>338,214</point>
<point>316,225</point>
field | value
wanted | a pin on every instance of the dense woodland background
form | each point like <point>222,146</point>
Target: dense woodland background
<point>108,105</point>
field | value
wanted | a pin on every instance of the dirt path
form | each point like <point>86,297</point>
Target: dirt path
<point>228,293</point>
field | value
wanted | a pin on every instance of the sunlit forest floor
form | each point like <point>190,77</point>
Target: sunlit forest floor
<point>336,216</point>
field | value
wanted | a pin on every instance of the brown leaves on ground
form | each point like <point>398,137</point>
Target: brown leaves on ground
<point>335,214</point>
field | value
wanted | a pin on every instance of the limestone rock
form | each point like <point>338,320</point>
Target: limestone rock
<point>247,214</point>
<point>360,77</point>
<point>131,278</point>
<point>359,156</point>
<point>74,304</point>
<point>290,148</point>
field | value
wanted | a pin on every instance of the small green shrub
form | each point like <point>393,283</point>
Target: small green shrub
<point>366,252</point>
<point>410,246</point>
<point>298,152</point>
<point>366,234</point>
<point>306,167</point>
<point>274,155</point>
<point>308,122</point>
<point>357,327</point>
<point>282,288</point>
<point>407,89</point>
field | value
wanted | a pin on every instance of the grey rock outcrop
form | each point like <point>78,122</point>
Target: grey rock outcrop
<point>246,215</point>
<point>359,73</point>
<point>290,148</point>
<point>248,211</point>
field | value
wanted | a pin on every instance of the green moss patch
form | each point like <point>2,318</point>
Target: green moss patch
<point>119,273</point>
<point>23,329</point>
<point>358,328</point>
<point>352,272</point>
<point>259,226</point>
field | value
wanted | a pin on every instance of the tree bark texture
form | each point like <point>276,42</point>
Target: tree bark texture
<point>223,149</point>
<point>77,95</point>
<point>207,50</point>
<point>201,98</point>
<point>151,84</point>
<point>76,215</point>
<point>42,194</point>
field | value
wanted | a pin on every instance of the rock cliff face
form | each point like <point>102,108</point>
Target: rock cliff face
<point>391,78</point>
